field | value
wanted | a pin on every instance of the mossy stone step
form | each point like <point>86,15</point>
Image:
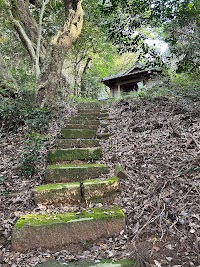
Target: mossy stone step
<point>80,126</point>
<point>97,263</point>
<point>56,155</point>
<point>88,111</point>
<point>83,117</point>
<point>94,190</point>
<point>66,193</point>
<point>84,121</point>
<point>78,133</point>
<point>56,231</point>
<point>90,105</point>
<point>105,135</point>
<point>73,173</point>
<point>76,143</point>
<point>101,190</point>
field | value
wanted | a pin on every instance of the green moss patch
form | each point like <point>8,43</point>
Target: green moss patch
<point>101,263</point>
<point>59,186</point>
<point>103,135</point>
<point>119,172</point>
<point>56,194</point>
<point>78,133</point>
<point>89,111</point>
<point>99,182</point>
<point>71,172</point>
<point>97,190</point>
<point>35,220</point>
<point>57,155</point>
<point>77,166</point>
<point>84,121</point>
<point>80,126</point>
<point>78,143</point>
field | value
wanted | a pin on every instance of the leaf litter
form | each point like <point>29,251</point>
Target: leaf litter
<point>157,142</point>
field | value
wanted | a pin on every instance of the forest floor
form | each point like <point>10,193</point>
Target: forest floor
<point>158,144</point>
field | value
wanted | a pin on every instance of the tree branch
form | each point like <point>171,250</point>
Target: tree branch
<point>22,33</point>
<point>37,61</point>
<point>72,27</point>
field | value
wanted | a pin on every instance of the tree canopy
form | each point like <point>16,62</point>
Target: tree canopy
<point>45,33</point>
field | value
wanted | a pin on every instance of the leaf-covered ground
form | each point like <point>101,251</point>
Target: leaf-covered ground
<point>158,144</point>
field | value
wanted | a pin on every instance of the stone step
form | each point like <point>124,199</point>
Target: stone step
<point>74,173</point>
<point>89,263</point>
<point>78,134</point>
<point>105,135</point>
<point>90,105</point>
<point>97,190</point>
<point>56,155</point>
<point>83,117</point>
<point>76,143</point>
<point>88,111</point>
<point>56,231</point>
<point>95,112</point>
<point>54,194</point>
<point>83,127</point>
<point>94,190</point>
<point>84,121</point>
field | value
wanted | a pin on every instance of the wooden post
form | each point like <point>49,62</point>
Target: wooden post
<point>118,91</point>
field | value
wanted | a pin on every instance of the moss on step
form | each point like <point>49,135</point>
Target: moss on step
<point>84,118</point>
<point>86,263</point>
<point>83,127</point>
<point>119,172</point>
<point>34,220</point>
<point>101,190</point>
<point>78,133</point>
<point>103,135</point>
<point>45,231</point>
<point>83,121</point>
<point>70,173</point>
<point>90,105</point>
<point>89,110</point>
<point>77,166</point>
<point>74,193</point>
<point>78,143</point>
<point>65,193</point>
<point>56,155</point>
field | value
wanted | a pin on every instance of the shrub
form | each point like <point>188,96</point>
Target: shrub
<point>20,112</point>
<point>30,156</point>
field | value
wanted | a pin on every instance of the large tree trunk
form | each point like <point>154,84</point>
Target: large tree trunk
<point>51,56</point>
<point>86,67</point>
<point>51,75</point>
<point>52,70</point>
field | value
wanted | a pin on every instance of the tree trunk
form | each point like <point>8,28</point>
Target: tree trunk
<point>53,58</point>
<point>86,67</point>
<point>51,75</point>
<point>8,85</point>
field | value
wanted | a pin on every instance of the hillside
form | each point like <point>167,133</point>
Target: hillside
<point>157,142</point>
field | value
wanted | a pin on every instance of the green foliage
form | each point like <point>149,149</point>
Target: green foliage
<point>20,113</point>
<point>30,156</point>
<point>183,85</point>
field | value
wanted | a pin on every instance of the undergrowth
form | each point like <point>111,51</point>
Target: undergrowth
<point>20,116</point>
<point>181,86</point>
<point>30,155</point>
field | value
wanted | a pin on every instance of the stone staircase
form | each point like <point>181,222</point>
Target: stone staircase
<point>71,178</point>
